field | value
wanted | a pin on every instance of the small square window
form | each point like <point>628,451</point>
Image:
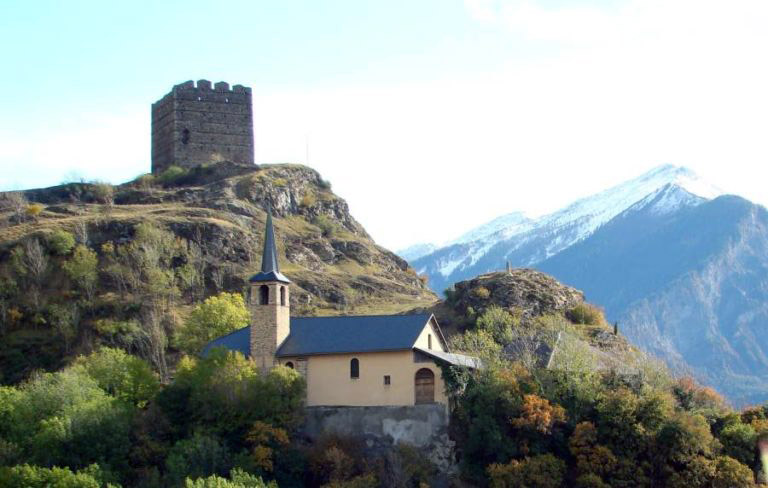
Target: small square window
<point>386,380</point>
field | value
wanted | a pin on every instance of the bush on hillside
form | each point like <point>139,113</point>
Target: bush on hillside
<point>61,242</point>
<point>326,225</point>
<point>586,314</point>
<point>172,175</point>
<point>480,292</point>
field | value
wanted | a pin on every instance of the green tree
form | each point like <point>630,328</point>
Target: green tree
<point>66,419</point>
<point>225,394</point>
<point>82,268</point>
<point>237,479</point>
<point>26,476</point>
<point>739,442</point>
<point>216,316</point>
<point>61,242</point>
<point>542,471</point>
<point>121,375</point>
<point>197,457</point>
<point>498,322</point>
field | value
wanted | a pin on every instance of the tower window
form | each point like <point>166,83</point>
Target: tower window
<point>282,295</point>
<point>185,136</point>
<point>263,295</point>
<point>429,341</point>
<point>354,368</point>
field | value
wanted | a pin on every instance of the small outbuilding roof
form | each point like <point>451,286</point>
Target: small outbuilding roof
<point>453,358</point>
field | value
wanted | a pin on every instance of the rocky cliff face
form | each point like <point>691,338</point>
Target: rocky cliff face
<point>332,260</point>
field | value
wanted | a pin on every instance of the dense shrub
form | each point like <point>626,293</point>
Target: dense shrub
<point>197,457</point>
<point>103,192</point>
<point>326,225</point>
<point>498,322</point>
<point>480,292</point>
<point>60,242</point>
<point>172,175</point>
<point>308,200</point>
<point>585,313</point>
<point>26,476</point>
<point>65,419</point>
<point>121,375</point>
<point>237,479</point>
<point>34,210</point>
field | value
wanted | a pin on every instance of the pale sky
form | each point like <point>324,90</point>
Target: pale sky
<point>429,117</point>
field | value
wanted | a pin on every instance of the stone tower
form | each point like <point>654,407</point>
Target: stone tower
<point>269,302</point>
<point>194,125</point>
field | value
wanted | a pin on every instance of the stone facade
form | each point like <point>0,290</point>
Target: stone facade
<point>200,124</point>
<point>270,322</point>
<point>422,426</point>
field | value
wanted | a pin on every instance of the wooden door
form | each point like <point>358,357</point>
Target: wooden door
<point>425,386</point>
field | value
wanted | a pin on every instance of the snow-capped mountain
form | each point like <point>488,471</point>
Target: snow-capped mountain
<point>509,224</point>
<point>686,279</point>
<point>522,241</point>
<point>416,251</point>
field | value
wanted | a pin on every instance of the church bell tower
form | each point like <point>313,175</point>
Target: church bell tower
<point>269,302</point>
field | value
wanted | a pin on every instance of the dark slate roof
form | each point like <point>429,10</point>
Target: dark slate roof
<point>350,334</point>
<point>270,269</point>
<point>452,358</point>
<point>333,335</point>
<point>239,340</point>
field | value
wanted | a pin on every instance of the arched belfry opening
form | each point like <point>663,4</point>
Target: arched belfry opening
<point>282,295</point>
<point>263,295</point>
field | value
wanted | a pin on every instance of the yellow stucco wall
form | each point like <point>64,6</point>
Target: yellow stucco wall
<point>423,340</point>
<point>329,382</point>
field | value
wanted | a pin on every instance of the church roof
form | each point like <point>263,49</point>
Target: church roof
<point>351,334</point>
<point>270,269</point>
<point>336,335</point>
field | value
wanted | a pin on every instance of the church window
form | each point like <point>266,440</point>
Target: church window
<point>289,364</point>
<point>387,380</point>
<point>354,368</point>
<point>282,295</point>
<point>263,294</point>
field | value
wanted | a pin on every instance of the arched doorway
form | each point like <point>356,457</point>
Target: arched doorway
<point>425,386</point>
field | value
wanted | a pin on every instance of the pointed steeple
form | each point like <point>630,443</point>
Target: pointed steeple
<point>270,269</point>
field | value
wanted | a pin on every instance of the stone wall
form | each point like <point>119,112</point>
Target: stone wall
<point>200,124</point>
<point>421,426</point>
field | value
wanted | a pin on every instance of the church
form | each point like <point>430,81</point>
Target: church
<point>381,360</point>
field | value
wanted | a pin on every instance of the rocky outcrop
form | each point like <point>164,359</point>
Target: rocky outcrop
<point>332,260</point>
<point>531,292</point>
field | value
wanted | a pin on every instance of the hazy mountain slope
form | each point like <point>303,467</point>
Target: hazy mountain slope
<point>416,251</point>
<point>530,242</point>
<point>689,284</point>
